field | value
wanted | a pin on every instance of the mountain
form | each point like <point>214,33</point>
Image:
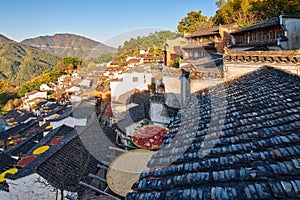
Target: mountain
<point>4,39</point>
<point>69,45</point>
<point>20,63</point>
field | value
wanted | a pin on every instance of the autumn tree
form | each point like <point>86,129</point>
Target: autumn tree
<point>268,9</point>
<point>248,12</point>
<point>235,11</point>
<point>9,105</point>
<point>192,22</point>
<point>7,92</point>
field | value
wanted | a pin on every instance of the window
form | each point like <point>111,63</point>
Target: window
<point>196,55</point>
<point>186,55</point>
<point>135,79</point>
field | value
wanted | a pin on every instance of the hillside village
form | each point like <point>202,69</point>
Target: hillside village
<point>245,79</point>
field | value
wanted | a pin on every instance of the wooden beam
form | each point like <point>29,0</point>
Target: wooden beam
<point>97,177</point>
<point>98,190</point>
<point>105,163</point>
<point>117,149</point>
<point>102,167</point>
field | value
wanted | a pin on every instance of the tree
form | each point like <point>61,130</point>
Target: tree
<point>153,40</point>
<point>248,12</point>
<point>16,102</point>
<point>103,58</point>
<point>9,105</point>
<point>28,87</point>
<point>268,9</point>
<point>176,62</point>
<point>192,22</point>
<point>66,63</point>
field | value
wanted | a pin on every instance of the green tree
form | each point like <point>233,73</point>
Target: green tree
<point>176,62</point>
<point>66,63</point>
<point>192,22</point>
<point>28,87</point>
<point>154,42</point>
<point>103,58</point>
<point>45,78</point>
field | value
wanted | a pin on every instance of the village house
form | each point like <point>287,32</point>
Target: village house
<point>275,43</point>
<point>151,57</point>
<point>31,99</point>
<point>281,33</point>
<point>85,83</point>
<point>76,75</point>
<point>135,78</point>
<point>64,80</point>
<point>48,87</point>
<point>198,56</point>
<point>73,93</point>
<point>208,40</point>
<point>173,50</point>
<point>144,51</point>
<point>133,61</point>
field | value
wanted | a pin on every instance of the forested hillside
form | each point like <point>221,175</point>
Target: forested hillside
<point>153,40</point>
<point>20,63</point>
<point>69,45</point>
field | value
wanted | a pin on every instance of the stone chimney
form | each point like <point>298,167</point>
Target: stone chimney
<point>185,86</point>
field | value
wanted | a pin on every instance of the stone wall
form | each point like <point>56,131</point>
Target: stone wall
<point>237,63</point>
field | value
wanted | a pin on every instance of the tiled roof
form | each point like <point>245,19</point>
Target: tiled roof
<point>18,129</point>
<point>69,165</point>
<point>33,165</point>
<point>32,92</point>
<point>237,140</point>
<point>6,161</point>
<point>18,116</point>
<point>85,108</point>
<point>260,25</point>
<point>205,31</point>
<point>70,159</point>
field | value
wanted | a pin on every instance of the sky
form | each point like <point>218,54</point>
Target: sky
<point>106,21</point>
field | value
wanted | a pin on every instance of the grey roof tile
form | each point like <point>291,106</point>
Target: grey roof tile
<point>252,154</point>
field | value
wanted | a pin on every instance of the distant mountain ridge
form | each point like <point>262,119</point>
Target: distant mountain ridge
<point>69,45</point>
<point>4,39</point>
<point>20,63</point>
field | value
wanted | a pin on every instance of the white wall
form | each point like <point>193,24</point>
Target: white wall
<point>120,87</point>
<point>45,87</point>
<point>293,33</point>
<point>28,188</point>
<point>42,95</point>
<point>172,84</point>
<point>235,70</point>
